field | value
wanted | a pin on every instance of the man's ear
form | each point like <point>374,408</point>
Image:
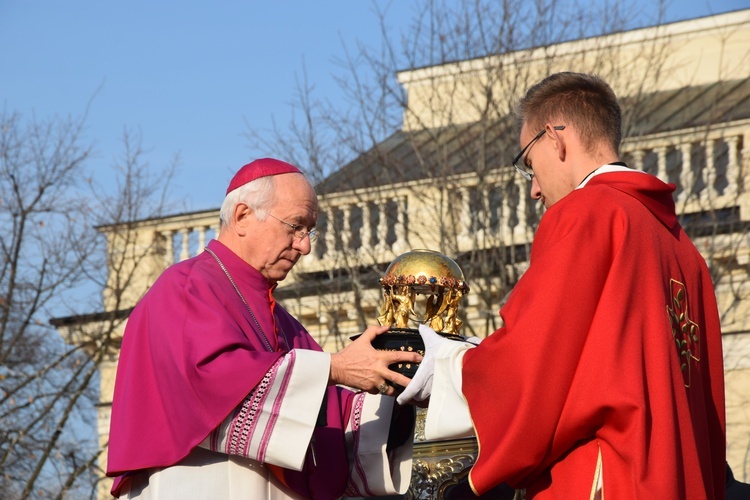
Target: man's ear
<point>559,142</point>
<point>241,218</point>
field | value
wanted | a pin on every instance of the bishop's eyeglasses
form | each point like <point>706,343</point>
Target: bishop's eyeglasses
<point>300,232</point>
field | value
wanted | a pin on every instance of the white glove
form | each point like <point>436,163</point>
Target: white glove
<point>473,340</point>
<point>420,387</point>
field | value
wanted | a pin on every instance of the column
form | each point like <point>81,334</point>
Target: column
<point>464,214</point>
<point>401,236</point>
<point>382,233</point>
<point>687,178</point>
<point>365,234</point>
<point>168,247</point>
<point>733,165</point>
<point>330,234</point>
<point>185,253</point>
<point>638,155</point>
<point>201,239</point>
<point>505,211</point>
<point>522,229</point>
<point>346,229</point>
<point>709,170</point>
<point>745,154</point>
<point>484,191</point>
<point>661,171</point>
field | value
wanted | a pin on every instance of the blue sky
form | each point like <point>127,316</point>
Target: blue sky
<point>191,76</point>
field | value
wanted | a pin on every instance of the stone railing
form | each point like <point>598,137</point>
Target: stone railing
<point>708,166</point>
<point>705,164</point>
<point>140,251</point>
<point>188,234</point>
<point>376,225</point>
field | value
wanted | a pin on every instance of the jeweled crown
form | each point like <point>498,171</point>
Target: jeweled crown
<point>422,286</point>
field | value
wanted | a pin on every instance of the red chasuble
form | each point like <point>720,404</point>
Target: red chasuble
<point>611,347</point>
<point>191,352</point>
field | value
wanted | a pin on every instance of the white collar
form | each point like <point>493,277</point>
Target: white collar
<point>604,169</point>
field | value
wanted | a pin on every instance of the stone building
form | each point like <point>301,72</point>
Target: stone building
<point>444,182</point>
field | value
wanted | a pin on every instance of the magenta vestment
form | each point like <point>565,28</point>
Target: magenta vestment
<point>191,352</point>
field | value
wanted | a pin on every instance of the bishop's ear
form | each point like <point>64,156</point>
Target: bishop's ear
<point>241,218</point>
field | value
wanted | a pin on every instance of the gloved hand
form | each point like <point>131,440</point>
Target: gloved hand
<point>473,340</point>
<point>420,387</point>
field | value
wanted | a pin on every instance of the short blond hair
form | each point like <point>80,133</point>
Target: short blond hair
<point>585,102</point>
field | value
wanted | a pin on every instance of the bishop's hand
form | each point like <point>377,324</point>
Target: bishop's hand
<point>360,366</point>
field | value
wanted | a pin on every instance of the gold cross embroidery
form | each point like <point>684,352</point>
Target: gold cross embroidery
<point>686,333</point>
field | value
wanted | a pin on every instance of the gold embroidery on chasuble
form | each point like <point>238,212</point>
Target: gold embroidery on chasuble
<point>685,333</point>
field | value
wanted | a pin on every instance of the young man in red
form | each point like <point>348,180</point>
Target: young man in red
<point>606,380</point>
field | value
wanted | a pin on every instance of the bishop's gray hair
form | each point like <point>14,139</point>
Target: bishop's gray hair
<point>258,195</point>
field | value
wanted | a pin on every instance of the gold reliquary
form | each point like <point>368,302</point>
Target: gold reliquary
<point>419,287</point>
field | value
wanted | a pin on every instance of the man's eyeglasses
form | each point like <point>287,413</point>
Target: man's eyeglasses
<point>524,169</point>
<point>299,231</point>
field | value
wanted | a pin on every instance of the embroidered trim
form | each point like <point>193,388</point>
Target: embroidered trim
<point>213,443</point>
<point>243,425</point>
<point>359,478</point>
<point>685,333</point>
<point>276,408</point>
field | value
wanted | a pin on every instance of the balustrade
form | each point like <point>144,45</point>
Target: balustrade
<point>706,166</point>
<point>672,157</point>
<point>184,236</point>
<point>348,227</point>
<point>710,166</point>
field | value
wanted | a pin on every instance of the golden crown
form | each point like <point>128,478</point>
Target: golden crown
<point>423,286</point>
